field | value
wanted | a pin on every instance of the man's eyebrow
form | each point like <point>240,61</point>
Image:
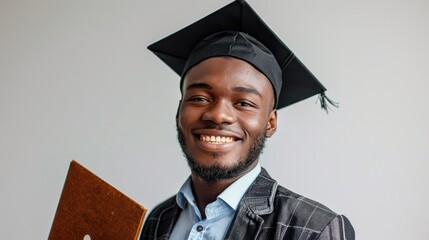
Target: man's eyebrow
<point>248,90</point>
<point>199,85</point>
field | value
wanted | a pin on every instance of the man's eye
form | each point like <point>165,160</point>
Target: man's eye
<point>198,99</point>
<point>245,104</point>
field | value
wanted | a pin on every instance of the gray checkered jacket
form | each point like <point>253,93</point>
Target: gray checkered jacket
<point>266,211</point>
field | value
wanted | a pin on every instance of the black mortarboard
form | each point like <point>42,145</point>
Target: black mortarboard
<point>236,30</point>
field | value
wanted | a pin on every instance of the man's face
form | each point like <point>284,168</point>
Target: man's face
<point>225,114</point>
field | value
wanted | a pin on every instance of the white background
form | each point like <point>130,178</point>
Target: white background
<point>76,82</point>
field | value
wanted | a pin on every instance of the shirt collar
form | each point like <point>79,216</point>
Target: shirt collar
<point>232,195</point>
<point>185,194</point>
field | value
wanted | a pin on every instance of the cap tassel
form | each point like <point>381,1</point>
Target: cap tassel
<point>324,100</point>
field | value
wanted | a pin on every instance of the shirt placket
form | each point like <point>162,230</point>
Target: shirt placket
<point>200,227</point>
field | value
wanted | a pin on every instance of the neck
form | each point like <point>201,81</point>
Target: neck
<point>207,192</point>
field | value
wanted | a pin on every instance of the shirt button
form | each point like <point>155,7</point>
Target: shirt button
<point>200,228</point>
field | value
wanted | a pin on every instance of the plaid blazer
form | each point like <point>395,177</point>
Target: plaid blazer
<point>266,211</point>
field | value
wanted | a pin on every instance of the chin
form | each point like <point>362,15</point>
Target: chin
<point>216,166</point>
<point>222,160</point>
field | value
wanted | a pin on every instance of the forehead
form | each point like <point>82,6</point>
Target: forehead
<point>225,72</point>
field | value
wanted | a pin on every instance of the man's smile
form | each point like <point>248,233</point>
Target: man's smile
<point>214,136</point>
<point>216,139</point>
<point>213,140</point>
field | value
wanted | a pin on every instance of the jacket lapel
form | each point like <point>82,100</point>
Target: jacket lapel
<point>166,221</point>
<point>246,225</point>
<point>258,200</point>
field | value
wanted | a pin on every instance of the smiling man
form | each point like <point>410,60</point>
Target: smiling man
<point>226,112</point>
<point>235,75</point>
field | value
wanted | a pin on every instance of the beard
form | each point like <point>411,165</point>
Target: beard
<point>217,172</point>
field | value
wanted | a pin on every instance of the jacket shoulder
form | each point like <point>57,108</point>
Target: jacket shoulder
<point>279,213</point>
<point>296,215</point>
<point>303,209</point>
<point>293,215</point>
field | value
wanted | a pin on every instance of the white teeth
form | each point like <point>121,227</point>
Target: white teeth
<point>216,139</point>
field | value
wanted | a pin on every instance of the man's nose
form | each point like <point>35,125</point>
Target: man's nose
<point>221,112</point>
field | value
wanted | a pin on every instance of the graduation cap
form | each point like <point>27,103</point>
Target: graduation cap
<point>237,31</point>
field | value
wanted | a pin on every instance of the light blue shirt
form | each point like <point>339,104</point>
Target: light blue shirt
<point>219,213</point>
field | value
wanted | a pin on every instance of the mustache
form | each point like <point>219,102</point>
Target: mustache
<point>220,127</point>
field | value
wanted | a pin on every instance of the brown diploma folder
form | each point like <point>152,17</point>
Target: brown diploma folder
<point>91,209</point>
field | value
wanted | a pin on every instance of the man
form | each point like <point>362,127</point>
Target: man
<point>235,75</point>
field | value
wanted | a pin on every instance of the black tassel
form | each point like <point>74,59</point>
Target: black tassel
<point>324,100</point>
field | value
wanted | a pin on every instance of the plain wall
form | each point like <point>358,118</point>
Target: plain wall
<point>77,82</point>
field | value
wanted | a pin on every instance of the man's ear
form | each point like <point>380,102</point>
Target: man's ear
<point>272,123</point>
